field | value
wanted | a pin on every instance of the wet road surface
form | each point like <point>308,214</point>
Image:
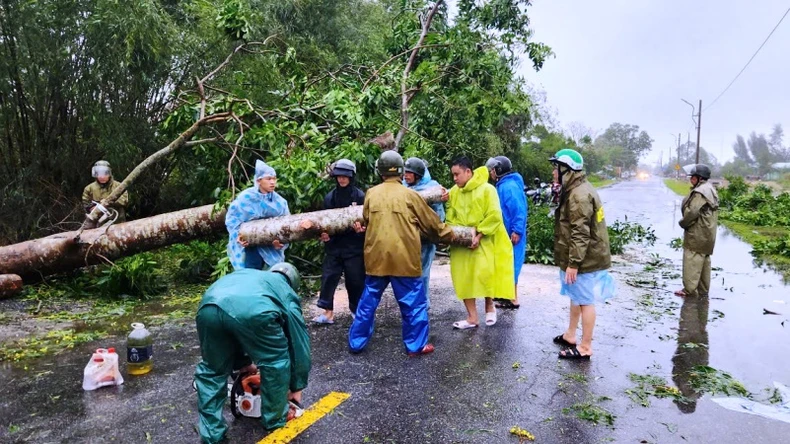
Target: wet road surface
<point>479,383</point>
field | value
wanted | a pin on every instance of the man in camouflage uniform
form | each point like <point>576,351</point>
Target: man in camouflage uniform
<point>700,211</point>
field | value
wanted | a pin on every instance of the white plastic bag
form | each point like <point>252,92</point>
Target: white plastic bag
<point>102,370</point>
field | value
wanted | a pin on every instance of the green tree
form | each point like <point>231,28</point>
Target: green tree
<point>625,144</point>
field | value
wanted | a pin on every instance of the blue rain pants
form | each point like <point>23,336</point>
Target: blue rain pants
<point>413,309</point>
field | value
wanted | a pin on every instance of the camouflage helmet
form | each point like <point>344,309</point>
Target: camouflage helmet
<point>101,168</point>
<point>290,272</point>
<point>415,165</point>
<point>700,170</point>
<point>390,163</point>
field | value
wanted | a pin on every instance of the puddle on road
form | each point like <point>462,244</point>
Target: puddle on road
<point>729,330</point>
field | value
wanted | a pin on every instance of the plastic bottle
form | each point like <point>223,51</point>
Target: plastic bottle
<point>139,350</point>
<point>102,370</point>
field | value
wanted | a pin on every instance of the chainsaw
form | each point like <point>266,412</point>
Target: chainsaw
<point>245,398</point>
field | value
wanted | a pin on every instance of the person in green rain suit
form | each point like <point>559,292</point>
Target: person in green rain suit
<point>251,318</point>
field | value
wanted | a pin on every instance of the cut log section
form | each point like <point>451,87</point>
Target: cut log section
<point>10,285</point>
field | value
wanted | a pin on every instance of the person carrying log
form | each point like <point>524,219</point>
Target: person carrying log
<point>101,188</point>
<point>257,202</point>
<point>251,320</point>
<point>343,252</point>
<point>485,269</point>
<point>394,217</point>
<point>418,178</point>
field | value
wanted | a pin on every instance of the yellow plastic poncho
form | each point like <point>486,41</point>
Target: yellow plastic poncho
<point>486,271</point>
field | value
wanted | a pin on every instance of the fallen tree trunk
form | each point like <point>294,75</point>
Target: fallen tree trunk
<point>306,226</point>
<point>10,285</point>
<point>61,252</point>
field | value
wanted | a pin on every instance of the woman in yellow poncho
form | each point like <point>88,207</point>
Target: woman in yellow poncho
<point>486,269</point>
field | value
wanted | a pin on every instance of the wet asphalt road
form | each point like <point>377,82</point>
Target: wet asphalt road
<point>479,383</point>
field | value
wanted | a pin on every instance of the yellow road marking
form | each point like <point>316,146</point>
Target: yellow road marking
<point>315,412</point>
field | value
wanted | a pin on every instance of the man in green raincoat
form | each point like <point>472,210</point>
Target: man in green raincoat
<point>101,188</point>
<point>700,221</point>
<point>484,270</point>
<point>251,318</point>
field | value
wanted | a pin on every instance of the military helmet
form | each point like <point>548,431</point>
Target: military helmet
<point>415,165</point>
<point>344,167</point>
<point>101,168</point>
<point>390,163</point>
<point>571,158</point>
<point>700,170</point>
<point>290,272</point>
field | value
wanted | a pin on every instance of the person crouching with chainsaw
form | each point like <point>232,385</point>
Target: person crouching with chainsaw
<point>100,189</point>
<point>251,320</point>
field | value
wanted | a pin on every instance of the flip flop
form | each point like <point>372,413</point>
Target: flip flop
<point>507,304</point>
<point>425,350</point>
<point>681,293</point>
<point>490,318</point>
<point>573,353</point>
<point>559,340</point>
<point>322,319</point>
<point>463,325</point>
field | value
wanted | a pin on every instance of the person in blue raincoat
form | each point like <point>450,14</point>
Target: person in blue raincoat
<point>513,201</point>
<point>257,202</point>
<point>417,177</point>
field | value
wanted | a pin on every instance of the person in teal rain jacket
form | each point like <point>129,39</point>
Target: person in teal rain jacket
<point>513,201</point>
<point>417,177</point>
<point>251,319</point>
<point>257,202</point>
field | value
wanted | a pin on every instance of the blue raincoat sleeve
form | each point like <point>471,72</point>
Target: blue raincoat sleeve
<point>425,183</point>
<point>251,204</point>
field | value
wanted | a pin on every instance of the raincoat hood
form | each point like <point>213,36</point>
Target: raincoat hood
<point>709,192</point>
<point>479,177</point>
<point>572,179</point>
<point>511,177</point>
<point>263,170</point>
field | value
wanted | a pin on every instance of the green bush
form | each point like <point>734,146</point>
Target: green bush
<point>758,207</point>
<point>780,247</point>
<point>137,275</point>
<point>197,260</point>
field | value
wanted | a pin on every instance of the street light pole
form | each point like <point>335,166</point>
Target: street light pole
<point>697,122</point>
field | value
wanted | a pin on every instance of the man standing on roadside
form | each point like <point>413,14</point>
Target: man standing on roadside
<point>700,220</point>
<point>513,201</point>
<point>394,217</point>
<point>581,250</point>
<point>418,178</point>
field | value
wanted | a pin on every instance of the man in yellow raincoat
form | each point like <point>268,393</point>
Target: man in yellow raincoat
<point>484,270</point>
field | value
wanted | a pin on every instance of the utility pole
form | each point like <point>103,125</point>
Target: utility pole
<point>679,155</point>
<point>699,126</point>
<point>688,145</point>
<point>697,122</point>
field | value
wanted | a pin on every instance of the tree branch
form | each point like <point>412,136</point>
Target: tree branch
<point>405,96</point>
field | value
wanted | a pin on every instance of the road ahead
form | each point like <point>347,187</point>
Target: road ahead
<point>479,383</point>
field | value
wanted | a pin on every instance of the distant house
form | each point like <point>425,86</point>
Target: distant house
<point>777,170</point>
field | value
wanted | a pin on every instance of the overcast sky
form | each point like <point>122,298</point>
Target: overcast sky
<point>631,61</point>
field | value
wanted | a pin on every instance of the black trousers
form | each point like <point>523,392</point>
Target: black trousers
<point>353,268</point>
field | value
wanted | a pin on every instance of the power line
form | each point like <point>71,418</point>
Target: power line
<point>750,60</point>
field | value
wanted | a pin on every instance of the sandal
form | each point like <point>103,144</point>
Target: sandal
<point>425,350</point>
<point>681,293</point>
<point>573,354</point>
<point>560,340</point>
<point>463,325</point>
<point>507,304</point>
<point>490,318</point>
<point>322,319</point>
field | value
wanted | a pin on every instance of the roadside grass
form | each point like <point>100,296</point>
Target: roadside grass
<point>600,183</point>
<point>680,187</point>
